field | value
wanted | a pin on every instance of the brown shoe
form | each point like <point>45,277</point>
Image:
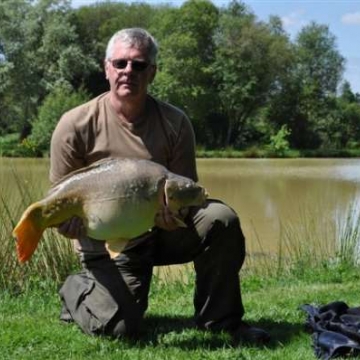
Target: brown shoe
<point>246,333</point>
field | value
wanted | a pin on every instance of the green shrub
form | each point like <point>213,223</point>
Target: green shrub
<point>279,143</point>
<point>60,100</point>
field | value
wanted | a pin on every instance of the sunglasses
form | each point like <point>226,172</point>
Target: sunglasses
<point>136,65</point>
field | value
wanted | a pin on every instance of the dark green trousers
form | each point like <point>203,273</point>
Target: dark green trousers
<point>110,296</point>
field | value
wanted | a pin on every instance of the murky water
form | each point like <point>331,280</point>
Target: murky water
<point>302,199</point>
<point>293,199</point>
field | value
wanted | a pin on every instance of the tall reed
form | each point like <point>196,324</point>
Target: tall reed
<point>54,257</point>
<point>348,236</point>
<point>311,242</point>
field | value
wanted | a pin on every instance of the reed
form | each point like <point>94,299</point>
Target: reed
<point>54,258</point>
<point>348,236</point>
<point>310,245</point>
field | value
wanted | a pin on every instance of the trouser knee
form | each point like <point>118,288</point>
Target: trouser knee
<point>220,228</point>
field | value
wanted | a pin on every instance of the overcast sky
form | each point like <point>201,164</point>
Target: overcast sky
<point>342,17</point>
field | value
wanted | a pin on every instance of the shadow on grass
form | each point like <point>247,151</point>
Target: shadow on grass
<point>181,332</point>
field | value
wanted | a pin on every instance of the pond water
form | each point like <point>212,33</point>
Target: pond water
<point>278,200</point>
<point>286,200</point>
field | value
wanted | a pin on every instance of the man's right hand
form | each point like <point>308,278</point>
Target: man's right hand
<point>73,228</point>
<point>164,219</point>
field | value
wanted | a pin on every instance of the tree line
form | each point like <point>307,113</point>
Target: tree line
<point>243,82</point>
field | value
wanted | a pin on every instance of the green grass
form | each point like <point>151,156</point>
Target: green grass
<point>30,328</point>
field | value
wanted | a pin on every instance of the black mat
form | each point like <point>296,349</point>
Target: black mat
<point>335,329</point>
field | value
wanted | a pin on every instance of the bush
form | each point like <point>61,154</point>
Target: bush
<point>279,143</point>
<point>10,147</point>
<point>60,100</point>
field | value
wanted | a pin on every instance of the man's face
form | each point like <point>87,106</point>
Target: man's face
<point>125,71</point>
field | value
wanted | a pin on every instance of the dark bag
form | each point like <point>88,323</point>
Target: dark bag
<point>335,329</point>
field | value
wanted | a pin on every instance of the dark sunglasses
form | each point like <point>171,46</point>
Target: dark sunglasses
<point>136,65</point>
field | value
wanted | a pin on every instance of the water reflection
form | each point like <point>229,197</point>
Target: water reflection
<point>291,196</point>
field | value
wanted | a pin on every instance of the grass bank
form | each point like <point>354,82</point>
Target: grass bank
<point>264,152</point>
<point>11,147</point>
<point>273,289</point>
<point>30,328</point>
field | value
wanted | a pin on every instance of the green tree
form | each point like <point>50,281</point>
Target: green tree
<point>60,99</point>
<point>40,49</point>
<point>305,99</point>
<point>248,62</point>
<point>349,116</point>
<point>187,49</point>
<point>346,93</point>
<point>320,68</point>
<point>18,71</point>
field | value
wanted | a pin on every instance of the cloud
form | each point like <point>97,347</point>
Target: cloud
<point>292,19</point>
<point>352,73</point>
<point>351,18</point>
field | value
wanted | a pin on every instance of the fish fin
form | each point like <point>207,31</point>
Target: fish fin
<point>115,247</point>
<point>28,233</point>
<point>179,222</point>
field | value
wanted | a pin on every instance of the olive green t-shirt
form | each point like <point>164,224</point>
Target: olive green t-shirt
<point>93,131</point>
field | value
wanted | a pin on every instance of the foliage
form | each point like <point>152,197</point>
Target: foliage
<point>248,60</point>
<point>7,143</point>
<point>186,52</point>
<point>30,32</point>
<point>319,70</point>
<point>59,100</point>
<point>239,79</point>
<point>278,142</point>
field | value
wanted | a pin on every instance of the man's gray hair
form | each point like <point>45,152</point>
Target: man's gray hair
<point>134,37</point>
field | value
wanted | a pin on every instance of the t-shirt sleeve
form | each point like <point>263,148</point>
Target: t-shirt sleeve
<point>183,160</point>
<point>65,149</point>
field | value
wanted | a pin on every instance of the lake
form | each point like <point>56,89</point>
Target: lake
<point>286,200</point>
<point>278,200</point>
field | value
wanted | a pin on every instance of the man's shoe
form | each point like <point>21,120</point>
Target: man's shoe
<point>246,333</point>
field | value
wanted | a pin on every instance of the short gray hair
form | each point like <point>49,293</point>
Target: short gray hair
<point>134,37</point>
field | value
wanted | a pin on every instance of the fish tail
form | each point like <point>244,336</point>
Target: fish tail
<point>28,232</point>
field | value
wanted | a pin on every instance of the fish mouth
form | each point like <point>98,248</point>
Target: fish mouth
<point>205,194</point>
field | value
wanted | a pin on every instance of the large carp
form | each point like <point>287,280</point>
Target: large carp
<point>117,199</point>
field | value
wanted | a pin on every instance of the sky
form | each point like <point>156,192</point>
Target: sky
<point>341,16</point>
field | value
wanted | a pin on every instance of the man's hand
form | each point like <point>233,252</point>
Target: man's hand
<point>73,228</point>
<point>164,219</point>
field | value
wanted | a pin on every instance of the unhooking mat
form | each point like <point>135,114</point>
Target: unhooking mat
<point>335,329</point>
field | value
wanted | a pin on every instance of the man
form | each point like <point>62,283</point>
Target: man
<point>110,296</point>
